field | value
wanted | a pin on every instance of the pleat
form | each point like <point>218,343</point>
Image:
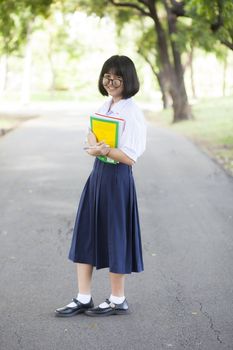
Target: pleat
<point>107,228</point>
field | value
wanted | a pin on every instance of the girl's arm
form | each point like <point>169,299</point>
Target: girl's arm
<point>119,156</point>
<point>91,138</point>
<point>102,149</point>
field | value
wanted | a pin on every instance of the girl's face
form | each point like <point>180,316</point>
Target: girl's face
<point>114,86</point>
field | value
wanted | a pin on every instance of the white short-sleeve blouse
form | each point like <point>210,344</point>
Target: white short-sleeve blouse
<point>133,138</point>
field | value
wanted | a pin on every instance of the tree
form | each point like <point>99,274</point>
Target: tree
<point>147,49</point>
<point>215,16</point>
<point>16,24</point>
<point>210,28</point>
<point>16,18</point>
<point>60,41</point>
<point>164,29</point>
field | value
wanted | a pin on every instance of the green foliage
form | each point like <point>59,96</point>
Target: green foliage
<point>64,48</point>
<point>147,40</point>
<point>15,19</point>
<point>121,17</point>
<point>147,44</point>
<point>212,128</point>
<point>98,7</point>
<point>215,16</point>
<point>190,35</point>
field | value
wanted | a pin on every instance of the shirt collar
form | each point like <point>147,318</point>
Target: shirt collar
<point>117,107</point>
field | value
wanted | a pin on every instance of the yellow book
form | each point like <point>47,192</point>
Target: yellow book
<point>107,129</point>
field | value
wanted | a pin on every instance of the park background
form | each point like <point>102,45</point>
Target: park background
<point>52,52</point>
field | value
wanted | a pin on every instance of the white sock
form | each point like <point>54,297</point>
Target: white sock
<point>113,299</point>
<point>83,298</point>
<point>116,300</point>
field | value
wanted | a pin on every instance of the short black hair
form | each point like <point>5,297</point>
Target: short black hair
<point>122,66</point>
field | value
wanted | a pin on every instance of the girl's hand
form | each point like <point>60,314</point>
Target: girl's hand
<point>91,138</point>
<point>100,149</point>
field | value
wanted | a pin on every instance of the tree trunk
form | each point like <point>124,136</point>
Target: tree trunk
<point>194,95</point>
<point>173,74</point>
<point>224,76</point>
<point>26,81</point>
<point>161,80</point>
<point>164,91</point>
<point>189,64</point>
<point>182,109</point>
<point>51,64</point>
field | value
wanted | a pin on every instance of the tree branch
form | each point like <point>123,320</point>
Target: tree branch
<point>144,2</point>
<point>148,61</point>
<point>227,43</point>
<point>177,8</point>
<point>219,22</point>
<point>131,5</point>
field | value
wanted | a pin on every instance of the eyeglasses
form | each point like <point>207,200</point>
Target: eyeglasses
<point>115,82</point>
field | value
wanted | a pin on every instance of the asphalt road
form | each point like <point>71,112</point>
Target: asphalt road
<point>183,299</point>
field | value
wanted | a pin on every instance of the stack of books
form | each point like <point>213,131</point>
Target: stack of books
<point>108,129</point>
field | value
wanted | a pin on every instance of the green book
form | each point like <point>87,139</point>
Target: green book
<point>107,129</point>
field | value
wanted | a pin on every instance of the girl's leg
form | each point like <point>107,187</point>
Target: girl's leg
<point>84,277</point>
<point>117,303</point>
<point>84,274</point>
<point>117,284</point>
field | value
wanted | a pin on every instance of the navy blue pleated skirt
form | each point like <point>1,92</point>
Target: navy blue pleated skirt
<point>107,230</point>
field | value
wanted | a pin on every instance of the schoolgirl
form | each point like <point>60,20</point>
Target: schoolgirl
<point>107,230</point>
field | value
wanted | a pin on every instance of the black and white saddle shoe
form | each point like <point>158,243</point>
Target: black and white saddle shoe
<point>112,309</point>
<point>68,311</point>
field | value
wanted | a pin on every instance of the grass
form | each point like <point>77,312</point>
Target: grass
<point>8,123</point>
<point>52,96</point>
<point>211,128</point>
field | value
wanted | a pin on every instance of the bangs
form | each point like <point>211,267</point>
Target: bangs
<point>123,67</point>
<point>113,67</point>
